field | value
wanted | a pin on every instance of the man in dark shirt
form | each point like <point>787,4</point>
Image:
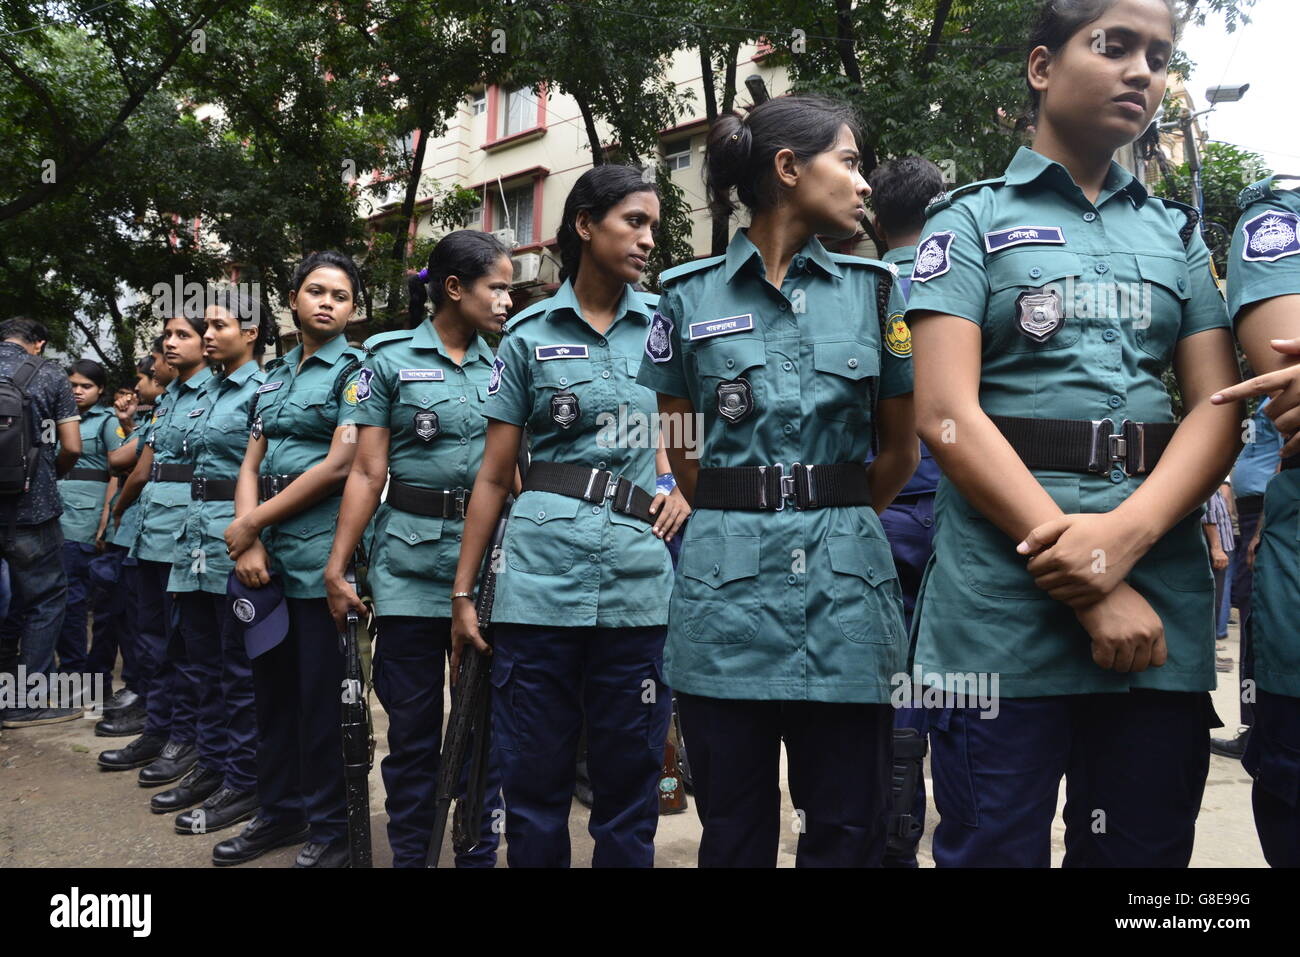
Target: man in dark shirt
<point>30,538</point>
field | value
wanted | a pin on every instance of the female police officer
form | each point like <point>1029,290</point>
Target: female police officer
<point>161,480</point>
<point>582,590</point>
<point>215,441</point>
<point>84,492</point>
<point>1045,305</point>
<point>418,404</point>
<point>299,451</point>
<point>1264,302</point>
<point>786,618</point>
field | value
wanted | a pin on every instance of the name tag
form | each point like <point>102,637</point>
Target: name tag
<point>420,375</point>
<point>721,327</point>
<point>560,352</point>
<point>195,413</point>
<point>270,386</point>
<point>1021,235</point>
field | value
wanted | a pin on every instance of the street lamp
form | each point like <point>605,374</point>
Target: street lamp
<point>1226,94</point>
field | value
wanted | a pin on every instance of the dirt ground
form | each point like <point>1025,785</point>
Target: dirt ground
<point>58,809</point>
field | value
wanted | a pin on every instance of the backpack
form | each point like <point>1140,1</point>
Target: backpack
<point>19,441</point>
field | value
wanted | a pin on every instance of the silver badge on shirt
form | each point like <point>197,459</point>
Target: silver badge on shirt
<point>735,400</point>
<point>1039,313</point>
<point>564,409</point>
<point>426,425</point>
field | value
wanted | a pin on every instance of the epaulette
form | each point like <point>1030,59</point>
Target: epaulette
<point>651,299</point>
<point>383,338</point>
<point>1255,192</point>
<point>685,269</point>
<point>944,200</point>
<point>1191,216</point>
<point>350,361</point>
<point>847,259</point>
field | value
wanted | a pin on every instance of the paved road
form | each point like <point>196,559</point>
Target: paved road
<point>58,809</point>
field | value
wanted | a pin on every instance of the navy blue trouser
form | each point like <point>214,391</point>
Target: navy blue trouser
<point>226,733</point>
<point>544,680</point>
<point>171,701</point>
<point>39,590</point>
<point>839,757</point>
<point>114,586</point>
<point>298,687</point>
<point>1243,583</point>
<point>410,666</point>
<point>1273,759</point>
<point>909,526</point>
<point>1134,765</point>
<point>72,645</point>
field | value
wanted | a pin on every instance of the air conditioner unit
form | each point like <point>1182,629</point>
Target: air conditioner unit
<point>506,237</point>
<point>527,268</point>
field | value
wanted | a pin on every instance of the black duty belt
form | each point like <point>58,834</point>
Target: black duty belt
<point>170,473</point>
<point>430,502</point>
<point>1073,445</point>
<point>88,475</point>
<point>590,485</point>
<point>269,486</point>
<point>212,490</point>
<point>770,488</point>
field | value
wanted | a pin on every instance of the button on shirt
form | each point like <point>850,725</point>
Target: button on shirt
<point>83,500</point>
<point>1264,263</point>
<point>433,409</point>
<point>567,561</point>
<point>216,441</point>
<point>163,504</point>
<point>1008,257</point>
<point>786,605</point>
<point>52,402</point>
<point>300,409</point>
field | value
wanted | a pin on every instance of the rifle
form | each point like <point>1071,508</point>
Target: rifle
<point>470,718</point>
<point>672,782</point>
<point>356,740</point>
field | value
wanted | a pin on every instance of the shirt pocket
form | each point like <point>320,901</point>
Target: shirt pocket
<point>553,377</point>
<point>636,553</point>
<point>724,360</point>
<point>1158,317</point>
<point>1181,558</point>
<point>873,613</point>
<point>410,544</point>
<point>311,409</point>
<point>989,559</point>
<point>845,370</point>
<point>534,543</point>
<point>416,397</point>
<point>719,597</point>
<point>1011,275</point>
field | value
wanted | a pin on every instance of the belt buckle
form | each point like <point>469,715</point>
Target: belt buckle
<point>781,486</point>
<point>600,488</point>
<point>199,483</point>
<point>1102,449</point>
<point>461,497</point>
<point>1135,447</point>
<point>620,492</point>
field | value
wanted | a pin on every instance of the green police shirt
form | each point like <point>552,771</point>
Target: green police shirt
<point>163,504</point>
<point>83,499</point>
<point>298,410</point>
<point>785,605</point>
<point>575,392</point>
<point>216,441</point>
<point>433,409</point>
<point>127,534</point>
<point>1080,306</point>
<point>1264,263</point>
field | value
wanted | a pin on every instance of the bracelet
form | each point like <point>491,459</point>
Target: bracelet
<point>462,594</point>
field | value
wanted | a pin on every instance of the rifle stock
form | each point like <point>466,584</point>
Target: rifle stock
<point>470,718</point>
<point>356,743</point>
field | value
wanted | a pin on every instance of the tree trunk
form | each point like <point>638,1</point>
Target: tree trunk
<point>718,232</point>
<point>844,41</point>
<point>404,230</point>
<point>593,138</point>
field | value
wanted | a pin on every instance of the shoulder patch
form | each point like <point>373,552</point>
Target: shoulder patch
<point>659,341</point>
<point>944,200</point>
<point>1270,236</point>
<point>686,269</point>
<point>932,256</point>
<point>494,380</point>
<point>898,338</point>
